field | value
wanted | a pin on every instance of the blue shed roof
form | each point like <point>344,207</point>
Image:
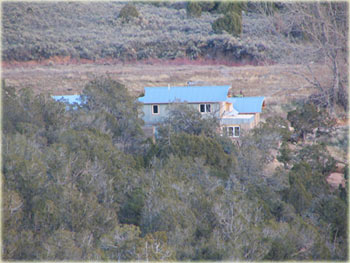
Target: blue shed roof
<point>70,99</point>
<point>186,93</point>
<point>247,104</point>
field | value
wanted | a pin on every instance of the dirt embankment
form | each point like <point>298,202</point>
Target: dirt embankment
<point>67,60</point>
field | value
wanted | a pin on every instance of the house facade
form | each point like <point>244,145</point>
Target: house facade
<point>235,113</point>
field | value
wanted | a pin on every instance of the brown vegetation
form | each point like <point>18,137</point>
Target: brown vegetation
<point>69,76</point>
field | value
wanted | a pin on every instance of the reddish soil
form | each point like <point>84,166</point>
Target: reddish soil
<point>57,60</point>
<point>335,179</point>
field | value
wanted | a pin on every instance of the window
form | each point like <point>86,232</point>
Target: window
<point>231,131</point>
<point>207,107</point>
<point>236,134</point>
<point>155,109</point>
<point>204,108</point>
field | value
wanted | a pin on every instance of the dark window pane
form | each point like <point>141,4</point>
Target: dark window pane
<point>236,131</point>
<point>155,108</point>
<point>202,108</point>
<point>207,107</point>
<point>230,131</point>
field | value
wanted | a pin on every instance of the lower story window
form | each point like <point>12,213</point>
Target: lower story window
<point>232,131</point>
<point>155,109</point>
<point>236,132</point>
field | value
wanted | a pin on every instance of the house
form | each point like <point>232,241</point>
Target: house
<point>235,113</point>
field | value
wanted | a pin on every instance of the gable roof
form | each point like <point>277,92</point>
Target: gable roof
<point>189,94</point>
<point>70,99</point>
<point>247,104</point>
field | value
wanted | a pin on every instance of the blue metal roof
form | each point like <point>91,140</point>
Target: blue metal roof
<point>69,99</point>
<point>247,104</point>
<point>185,94</point>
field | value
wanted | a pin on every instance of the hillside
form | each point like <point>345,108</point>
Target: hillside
<point>35,31</point>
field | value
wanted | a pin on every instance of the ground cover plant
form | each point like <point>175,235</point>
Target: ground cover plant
<point>34,31</point>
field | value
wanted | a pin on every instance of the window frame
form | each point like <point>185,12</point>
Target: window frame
<point>230,131</point>
<point>152,109</point>
<point>234,131</point>
<point>206,106</point>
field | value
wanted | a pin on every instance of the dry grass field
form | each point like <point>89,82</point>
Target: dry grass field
<point>277,83</point>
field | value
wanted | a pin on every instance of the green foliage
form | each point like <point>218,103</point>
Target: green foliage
<point>130,212</point>
<point>187,145</point>
<point>183,118</point>
<point>318,157</point>
<point>236,7</point>
<point>31,114</point>
<point>305,185</point>
<point>208,6</point>
<point>114,110</point>
<point>83,184</point>
<point>128,12</point>
<point>122,243</point>
<point>284,154</point>
<point>231,22</point>
<point>278,124</point>
<point>269,134</point>
<point>193,9</point>
<point>281,249</point>
<point>308,117</point>
<point>333,210</point>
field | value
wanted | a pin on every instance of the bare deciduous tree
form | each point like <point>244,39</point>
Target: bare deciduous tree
<point>325,25</point>
<point>316,34</point>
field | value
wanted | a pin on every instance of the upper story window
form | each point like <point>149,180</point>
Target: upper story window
<point>155,109</point>
<point>204,108</point>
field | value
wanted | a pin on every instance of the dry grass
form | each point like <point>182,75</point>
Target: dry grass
<point>275,82</point>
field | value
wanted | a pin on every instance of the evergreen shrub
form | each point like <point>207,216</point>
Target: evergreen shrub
<point>128,12</point>
<point>193,9</point>
<point>231,23</point>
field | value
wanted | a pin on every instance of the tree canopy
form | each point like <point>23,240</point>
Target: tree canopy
<point>84,184</point>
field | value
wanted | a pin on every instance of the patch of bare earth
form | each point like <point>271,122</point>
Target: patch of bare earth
<point>336,179</point>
